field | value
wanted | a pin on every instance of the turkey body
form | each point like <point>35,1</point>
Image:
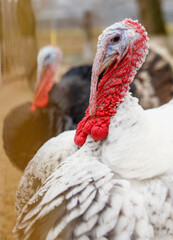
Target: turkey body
<point>118,187</point>
<point>154,81</point>
<point>28,131</point>
<point>102,195</point>
<point>25,132</point>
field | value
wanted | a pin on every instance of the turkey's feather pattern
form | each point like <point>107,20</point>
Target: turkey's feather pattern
<point>82,200</point>
<point>43,164</point>
<point>59,191</point>
<point>64,196</point>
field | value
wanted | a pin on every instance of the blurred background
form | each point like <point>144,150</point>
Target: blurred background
<point>27,25</point>
<point>73,25</point>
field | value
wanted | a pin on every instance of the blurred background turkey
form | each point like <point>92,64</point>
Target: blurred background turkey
<point>28,25</point>
<point>56,107</point>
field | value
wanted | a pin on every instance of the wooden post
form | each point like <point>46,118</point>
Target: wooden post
<point>27,27</point>
<point>87,26</point>
<point>152,17</point>
<point>0,41</point>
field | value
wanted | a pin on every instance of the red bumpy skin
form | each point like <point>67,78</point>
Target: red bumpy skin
<point>112,88</point>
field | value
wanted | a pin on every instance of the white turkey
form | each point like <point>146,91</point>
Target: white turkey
<point>119,184</point>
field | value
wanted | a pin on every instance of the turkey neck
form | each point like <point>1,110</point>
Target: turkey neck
<point>111,89</point>
<point>41,98</point>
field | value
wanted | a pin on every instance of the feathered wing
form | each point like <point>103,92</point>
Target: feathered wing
<point>74,203</point>
<point>43,164</point>
<point>82,200</point>
<point>153,81</point>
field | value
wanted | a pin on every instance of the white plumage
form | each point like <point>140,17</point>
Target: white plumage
<point>118,188</point>
<point>85,186</point>
<point>140,142</point>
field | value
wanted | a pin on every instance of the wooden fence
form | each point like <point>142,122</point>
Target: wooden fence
<point>71,41</point>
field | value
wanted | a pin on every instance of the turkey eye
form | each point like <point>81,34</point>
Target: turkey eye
<point>116,39</point>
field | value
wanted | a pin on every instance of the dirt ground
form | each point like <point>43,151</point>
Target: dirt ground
<point>11,95</point>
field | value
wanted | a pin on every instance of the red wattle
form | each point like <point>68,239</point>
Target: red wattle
<point>81,135</point>
<point>80,139</point>
<point>89,124</point>
<point>99,132</point>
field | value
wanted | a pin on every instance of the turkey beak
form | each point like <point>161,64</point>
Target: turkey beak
<point>107,62</point>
